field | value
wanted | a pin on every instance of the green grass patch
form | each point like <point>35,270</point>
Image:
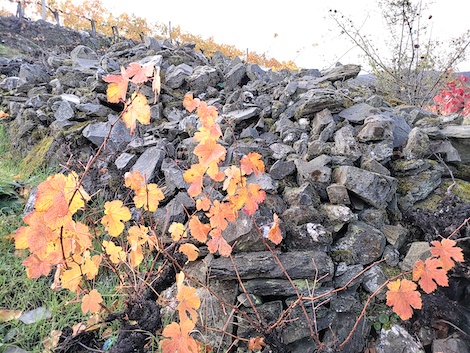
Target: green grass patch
<point>17,291</point>
<point>8,52</point>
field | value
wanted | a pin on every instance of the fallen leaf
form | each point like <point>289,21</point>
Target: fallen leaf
<point>3,114</point>
<point>8,315</point>
<point>256,343</point>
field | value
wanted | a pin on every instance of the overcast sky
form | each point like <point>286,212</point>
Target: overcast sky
<point>305,32</point>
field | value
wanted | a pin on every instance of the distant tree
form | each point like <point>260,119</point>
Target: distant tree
<point>417,64</point>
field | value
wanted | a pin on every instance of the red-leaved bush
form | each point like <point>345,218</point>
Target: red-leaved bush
<point>454,98</point>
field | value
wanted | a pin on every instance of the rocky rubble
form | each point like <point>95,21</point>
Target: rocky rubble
<point>345,173</point>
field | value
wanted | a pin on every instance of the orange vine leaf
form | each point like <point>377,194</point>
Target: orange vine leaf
<point>210,153</point>
<point>178,339</point>
<point>3,114</point>
<point>51,200</point>
<point>37,235</point>
<point>190,250</point>
<point>218,243</point>
<point>211,133</point>
<point>195,177</point>
<point>138,73</point>
<point>190,103</point>
<point>189,302</point>
<point>35,267</point>
<point>117,88</point>
<point>252,163</point>
<point>204,203</point>
<point>134,180</point>
<point>402,296</point>
<point>115,215</point>
<point>199,230</point>
<point>429,273</point>
<point>447,252</point>
<point>275,233</point>
<point>220,214</point>
<point>256,343</point>
<point>91,302</point>
<point>207,114</point>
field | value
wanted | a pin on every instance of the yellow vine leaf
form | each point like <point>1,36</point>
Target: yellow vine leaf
<point>137,109</point>
<point>148,197</point>
<point>177,231</point>
<point>116,254</point>
<point>117,88</point>
<point>91,302</point>
<point>190,250</point>
<point>76,238</point>
<point>234,178</point>
<point>74,190</point>
<point>71,277</point>
<point>115,215</point>
<point>189,302</point>
<point>91,265</point>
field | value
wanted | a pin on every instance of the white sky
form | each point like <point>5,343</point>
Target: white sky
<point>306,34</point>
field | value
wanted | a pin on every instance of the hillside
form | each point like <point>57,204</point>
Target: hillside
<point>361,188</point>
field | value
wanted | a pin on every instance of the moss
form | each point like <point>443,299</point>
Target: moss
<point>343,255</point>
<point>390,271</point>
<point>462,190</point>
<point>36,157</point>
<point>76,128</point>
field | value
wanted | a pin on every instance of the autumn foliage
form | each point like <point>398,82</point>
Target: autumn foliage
<point>453,98</point>
<point>76,250</point>
<point>403,295</point>
<point>58,237</point>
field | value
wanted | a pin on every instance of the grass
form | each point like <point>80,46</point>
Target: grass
<point>17,291</point>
